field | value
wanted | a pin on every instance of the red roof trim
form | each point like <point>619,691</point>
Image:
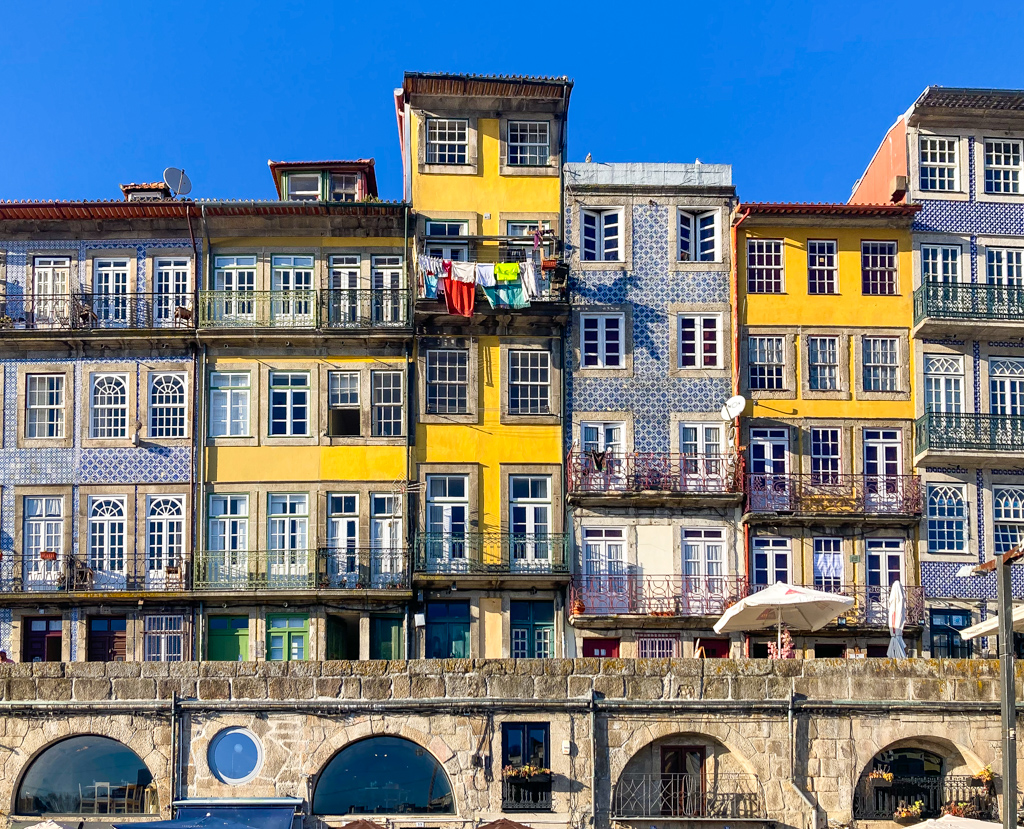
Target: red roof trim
<point>826,209</point>
<point>171,209</point>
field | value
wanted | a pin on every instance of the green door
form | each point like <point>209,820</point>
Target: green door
<point>287,638</point>
<point>386,637</point>
<point>228,639</point>
<point>342,638</point>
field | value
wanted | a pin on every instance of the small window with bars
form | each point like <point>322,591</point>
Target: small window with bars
<point>822,271</point>
<point>765,273</point>
<point>878,268</point>
<point>881,364</point>
<point>447,381</point>
<point>766,363</point>
<point>529,382</point>
<point>164,638</point>
<point>657,646</point>
<point>447,141</point>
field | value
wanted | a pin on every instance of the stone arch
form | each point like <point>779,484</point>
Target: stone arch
<point>949,749</point>
<point>447,762</point>
<point>717,731</point>
<point>45,743</point>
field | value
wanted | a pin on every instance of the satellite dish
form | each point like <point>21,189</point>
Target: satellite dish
<point>177,181</point>
<point>734,407</point>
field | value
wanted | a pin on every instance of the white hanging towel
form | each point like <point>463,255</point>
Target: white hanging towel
<point>485,275</point>
<point>464,272</point>
<point>529,277</point>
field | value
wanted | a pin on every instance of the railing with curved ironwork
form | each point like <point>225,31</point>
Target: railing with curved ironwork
<point>654,595</point>
<point>969,431</point>
<point>98,311</point>
<point>484,553</point>
<point>634,472</point>
<point>725,795</point>
<point>968,301</point>
<point>877,799</point>
<point>829,493</point>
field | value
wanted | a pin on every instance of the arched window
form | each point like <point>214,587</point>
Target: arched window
<point>947,519</point>
<point>383,775</point>
<point>1008,511</point>
<point>109,406</point>
<point>106,534</point>
<point>917,775</point>
<point>87,775</point>
<point>167,406</point>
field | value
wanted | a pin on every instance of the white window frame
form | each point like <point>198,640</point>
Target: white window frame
<point>164,637</point>
<point>772,546</point>
<point>692,239</point>
<point>43,531</point>
<point>228,524</point>
<point>832,369</point>
<point>294,400</point>
<point>168,418</point>
<point>940,263</point>
<point>885,370</point>
<point>234,282</point>
<point>876,278</point>
<point>172,287</point>
<point>107,538</point>
<point>165,535</point>
<point>389,426</point>
<point>700,330</point>
<point>766,266</point>
<point>753,349</point>
<point>608,240</point>
<point>451,403</point>
<point>939,170</point>
<point>516,378</point>
<point>53,424</point>
<point>1005,179</point>
<point>605,358</point>
<point>1004,266</point>
<point>703,554</point>
<point>946,531</point>
<point>823,259</point>
<point>333,179</point>
<point>108,421</point>
<point>307,194</point>
<point>235,397</point>
<point>454,148</point>
<point>828,563</point>
<point>943,383</point>
<point>1008,517</point>
<point>542,140</point>
<point>650,645</point>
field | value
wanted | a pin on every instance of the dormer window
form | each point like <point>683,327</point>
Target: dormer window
<point>344,186</point>
<point>304,187</point>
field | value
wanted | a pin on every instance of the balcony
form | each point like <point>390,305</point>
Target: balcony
<point>948,307</point>
<point>526,795</point>
<point>709,797</point>
<point>97,312</point>
<point>52,572</point>
<point>339,309</point>
<point>830,495</point>
<point>348,568</point>
<point>967,438</point>
<point>878,800</point>
<point>654,476</point>
<point>636,594</point>
<point>492,554</point>
<point>870,603</point>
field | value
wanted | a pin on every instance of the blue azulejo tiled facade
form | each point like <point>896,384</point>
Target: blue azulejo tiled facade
<point>649,368</point>
<point>964,170</point>
<point>138,459</point>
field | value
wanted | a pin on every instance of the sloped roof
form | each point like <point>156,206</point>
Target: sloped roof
<point>952,97</point>
<point>500,86</point>
<point>829,209</point>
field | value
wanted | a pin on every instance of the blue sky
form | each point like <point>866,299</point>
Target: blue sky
<point>796,96</point>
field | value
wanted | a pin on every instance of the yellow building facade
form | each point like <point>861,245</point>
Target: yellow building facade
<point>825,312</point>
<point>305,321</point>
<point>482,160</point>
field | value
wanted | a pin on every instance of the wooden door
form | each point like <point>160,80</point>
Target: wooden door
<point>683,786</point>
<point>108,639</point>
<point>42,640</point>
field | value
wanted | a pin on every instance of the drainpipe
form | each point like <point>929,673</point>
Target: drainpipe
<point>200,441</point>
<point>593,753</point>
<point>174,746</point>
<point>734,301</point>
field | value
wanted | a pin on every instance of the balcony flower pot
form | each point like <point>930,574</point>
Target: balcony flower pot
<point>548,264</point>
<point>527,774</point>
<point>577,608</point>
<point>48,555</point>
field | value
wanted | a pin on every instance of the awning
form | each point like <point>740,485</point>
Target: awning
<point>217,813</point>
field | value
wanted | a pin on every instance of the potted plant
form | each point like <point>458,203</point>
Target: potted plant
<point>908,814</point>
<point>961,809</point>
<point>880,778</point>
<point>577,608</point>
<point>527,773</point>
<point>985,777</point>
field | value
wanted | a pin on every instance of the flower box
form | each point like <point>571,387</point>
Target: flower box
<point>577,608</point>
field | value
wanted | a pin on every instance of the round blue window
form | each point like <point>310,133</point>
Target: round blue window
<point>235,755</point>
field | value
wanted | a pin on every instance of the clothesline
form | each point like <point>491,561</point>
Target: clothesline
<point>505,284</point>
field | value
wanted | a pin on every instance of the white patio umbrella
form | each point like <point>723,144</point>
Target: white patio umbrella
<point>799,608</point>
<point>951,822</point>
<point>990,627</point>
<point>897,619</point>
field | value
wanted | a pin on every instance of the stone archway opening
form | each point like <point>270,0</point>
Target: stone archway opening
<point>686,776</point>
<point>921,779</point>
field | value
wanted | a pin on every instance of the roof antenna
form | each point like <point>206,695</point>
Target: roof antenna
<point>178,182</point>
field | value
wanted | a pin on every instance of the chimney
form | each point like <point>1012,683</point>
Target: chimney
<point>151,191</point>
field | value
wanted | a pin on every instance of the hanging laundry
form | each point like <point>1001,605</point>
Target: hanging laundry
<point>507,295</point>
<point>485,275</point>
<point>528,274</point>
<point>460,297</point>
<point>430,286</point>
<point>536,238</point>
<point>446,265</point>
<point>464,272</point>
<point>507,272</point>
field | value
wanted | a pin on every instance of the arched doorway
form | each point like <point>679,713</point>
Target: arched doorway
<point>85,775</point>
<point>383,775</point>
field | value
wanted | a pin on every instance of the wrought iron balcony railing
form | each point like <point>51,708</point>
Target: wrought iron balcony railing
<point>968,301</point>
<point>360,568</point>
<point>526,795</point>
<point>870,602</point>
<point>49,571</point>
<point>331,309</point>
<point>723,796</point>
<point>496,249</point>
<point>878,799</point>
<point>828,493</point>
<point>636,472</point>
<point>97,311</point>
<point>491,553</point>
<point>633,593</point>
<point>968,431</point>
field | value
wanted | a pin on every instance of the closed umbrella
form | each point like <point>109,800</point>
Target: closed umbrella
<point>798,608</point>
<point>897,619</point>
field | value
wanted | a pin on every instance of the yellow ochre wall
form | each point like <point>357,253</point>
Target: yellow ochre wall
<point>485,192</point>
<point>488,442</point>
<point>848,309</point>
